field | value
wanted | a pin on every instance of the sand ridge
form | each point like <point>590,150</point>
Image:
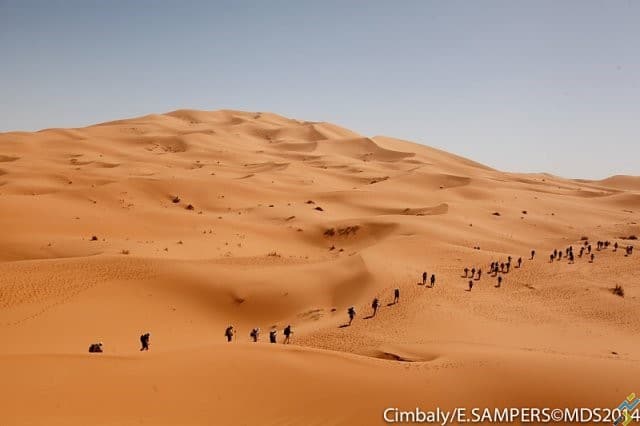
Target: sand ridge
<point>183,223</point>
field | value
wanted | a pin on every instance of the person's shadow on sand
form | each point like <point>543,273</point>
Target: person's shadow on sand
<point>368,317</point>
<point>344,325</point>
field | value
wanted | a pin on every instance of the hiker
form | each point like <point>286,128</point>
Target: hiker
<point>615,246</point>
<point>560,255</point>
<point>396,295</point>
<point>502,267</point>
<point>519,262</point>
<point>433,280</point>
<point>254,334</point>
<point>551,256</point>
<point>555,253</point>
<point>508,266</point>
<point>509,259</point>
<point>466,272</point>
<point>499,281</point>
<point>229,332</point>
<point>473,272</point>
<point>470,284</point>
<point>571,257</point>
<point>287,334</point>
<point>581,252</point>
<point>424,278</point>
<point>533,254</point>
<point>95,347</point>
<point>592,257</point>
<point>273,335</point>
<point>375,304</point>
<point>589,249</point>
<point>144,341</point>
<point>352,313</point>
<point>479,273</point>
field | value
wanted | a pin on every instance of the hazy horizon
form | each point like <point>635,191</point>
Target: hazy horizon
<point>527,87</point>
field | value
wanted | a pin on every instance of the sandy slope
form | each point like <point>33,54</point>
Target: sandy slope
<point>291,223</point>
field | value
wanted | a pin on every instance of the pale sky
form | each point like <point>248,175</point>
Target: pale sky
<point>524,86</point>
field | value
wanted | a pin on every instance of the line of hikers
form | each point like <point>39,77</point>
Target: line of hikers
<point>432,280</point>
<point>144,342</point>
<point>495,268</point>
<point>600,245</point>
<point>375,305</point>
<point>254,335</point>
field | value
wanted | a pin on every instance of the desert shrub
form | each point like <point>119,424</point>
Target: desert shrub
<point>189,207</point>
<point>496,213</point>
<point>175,199</point>
<point>330,232</point>
<point>618,290</point>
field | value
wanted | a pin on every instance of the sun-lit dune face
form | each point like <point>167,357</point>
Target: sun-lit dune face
<point>182,224</point>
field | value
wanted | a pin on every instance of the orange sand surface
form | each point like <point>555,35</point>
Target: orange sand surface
<point>208,219</point>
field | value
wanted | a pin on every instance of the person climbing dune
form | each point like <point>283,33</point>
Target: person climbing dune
<point>352,314</point>
<point>229,332</point>
<point>144,341</point>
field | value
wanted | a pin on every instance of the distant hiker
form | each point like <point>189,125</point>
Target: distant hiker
<point>375,305</point>
<point>551,256</point>
<point>508,266</point>
<point>533,254</point>
<point>509,259</point>
<point>502,267</point>
<point>273,335</point>
<point>95,347</point>
<point>424,278</point>
<point>589,249</point>
<point>519,262</point>
<point>229,332</point>
<point>470,284</point>
<point>592,257</point>
<point>615,246</point>
<point>254,334</point>
<point>571,257</point>
<point>499,281</point>
<point>473,272</point>
<point>396,295</point>
<point>287,334</point>
<point>560,255</point>
<point>555,253</point>
<point>581,252</point>
<point>433,280</point>
<point>352,313</point>
<point>144,341</point>
<point>466,272</point>
<point>479,273</point>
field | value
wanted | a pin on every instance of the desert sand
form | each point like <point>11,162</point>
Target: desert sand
<point>183,223</point>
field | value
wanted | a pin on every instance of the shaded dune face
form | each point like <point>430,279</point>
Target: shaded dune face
<point>181,224</point>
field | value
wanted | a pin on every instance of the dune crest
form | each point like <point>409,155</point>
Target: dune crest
<point>184,223</point>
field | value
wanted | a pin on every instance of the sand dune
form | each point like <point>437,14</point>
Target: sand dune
<point>184,223</point>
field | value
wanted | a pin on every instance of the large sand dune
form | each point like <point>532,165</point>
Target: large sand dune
<point>183,223</point>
